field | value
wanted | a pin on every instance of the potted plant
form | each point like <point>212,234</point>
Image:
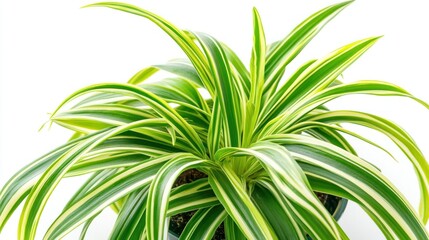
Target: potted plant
<point>222,151</point>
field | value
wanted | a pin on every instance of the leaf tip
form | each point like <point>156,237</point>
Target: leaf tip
<point>99,4</point>
<point>375,38</point>
<point>346,3</point>
<point>255,13</point>
<point>90,5</point>
<point>255,10</point>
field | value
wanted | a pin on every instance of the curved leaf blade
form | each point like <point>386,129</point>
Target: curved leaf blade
<point>156,103</point>
<point>228,94</point>
<point>290,180</point>
<point>180,37</point>
<point>401,138</point>
<point>159,193</point>
<point>204,223</point>
<point>228,189</point>
<point>394,215</point>
<point>286,50</point>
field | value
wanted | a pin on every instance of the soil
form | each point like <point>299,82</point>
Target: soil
<point>179,221</point>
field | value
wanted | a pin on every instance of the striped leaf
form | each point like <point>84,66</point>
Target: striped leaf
<point>182,69</point>
<point>158,104</point>
<point>257,66</point>
<point>394,215</point>
<point>159,193</point>
<point>19,186</point>
<point>90,183</point>
<point>238,204</point>
<point>279,214</point>
<point>204,223</point>
<point>264,147</point>
<point>227,93</point>
<point>191,196</point>
<point>315,77</point>
<point>329,135</point>
<point>286,50</point>
<point>105,194</point>
<point>292,183</point>
<point>239,70</point>
<point>373,87</point>
<point>178,91</point>
<point>46,184</point>
<point>142,75</point>
<point>130,223</point>
<point>232,231</point>
<point>401,138</point>
<point>214,135</point>
<point>179,36</point>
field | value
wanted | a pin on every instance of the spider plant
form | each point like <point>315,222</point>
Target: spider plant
<point>265,140</point>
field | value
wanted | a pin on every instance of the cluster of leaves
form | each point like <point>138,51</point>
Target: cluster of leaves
<point>265,145</point>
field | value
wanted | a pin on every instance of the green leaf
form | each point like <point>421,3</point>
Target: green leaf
<point>96,117</point>
<point>91,118</point>
<point>257,67</point>
<point>106,193</point>
<point>394,215</point>
<point>287,49</point>
<point>142,75</point>
<point>214,135</point>
<point>279,215</point>
<point>239,70</point>
<point>180,91</point>
<point>90,183</point>
<point>401,138</point>
<point>159,193</point>
<point>232,231</point>
<point>229,190</point>
<point>371,87</point>
<point>156,103</point>
<point>329,135</point>
<point>191,196</point>
<point>86,227</point>
<point>19,185</point>
<point>204,223</point>
<point>290,180</point>
<point>130,223</point>
<point>227,91</point>
<point>107,161</point>
<point>276,97</point>
<point>316,77</point>
<point>180,37</point>
<point>44,187</point>
<point>182,69</point>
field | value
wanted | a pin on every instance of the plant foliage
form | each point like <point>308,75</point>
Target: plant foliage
<point>260,136</point>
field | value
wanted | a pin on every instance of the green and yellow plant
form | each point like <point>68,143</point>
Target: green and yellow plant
<point>265,145</point>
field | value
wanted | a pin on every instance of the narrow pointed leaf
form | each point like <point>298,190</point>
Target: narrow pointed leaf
<point>228,95</point>
<point>158,104</point>
<point>290,180</point>
<point>401,138</point>
<point>361,180</point>
<point>204,223</point>
<point>317,76</point>
<point>277,213</point>
<point>179,36</point>
<point>239,205</point>
<point>159,193</point>
<point>285,51</point>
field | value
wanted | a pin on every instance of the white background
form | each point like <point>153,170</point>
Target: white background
<point>48,49</point>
